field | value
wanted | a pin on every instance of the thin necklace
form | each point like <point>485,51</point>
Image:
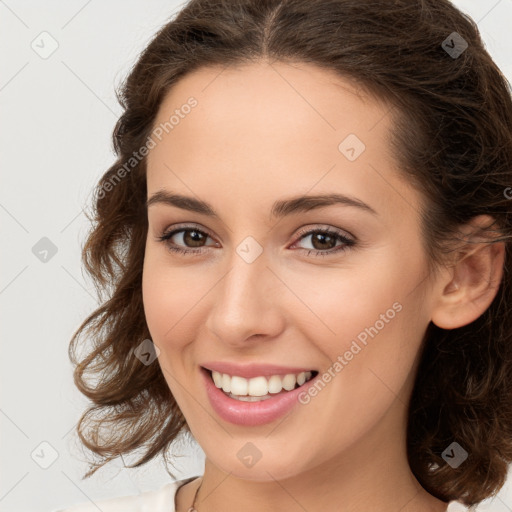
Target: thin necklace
<point>193,507</point>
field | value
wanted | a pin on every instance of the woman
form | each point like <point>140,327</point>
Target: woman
<point>306,242</point>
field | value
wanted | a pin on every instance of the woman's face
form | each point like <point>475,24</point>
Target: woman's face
<point>351,303</point>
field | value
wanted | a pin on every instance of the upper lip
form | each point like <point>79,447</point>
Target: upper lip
<point>253,369</point>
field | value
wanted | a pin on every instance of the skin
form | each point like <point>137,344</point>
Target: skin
<point>265,132</point>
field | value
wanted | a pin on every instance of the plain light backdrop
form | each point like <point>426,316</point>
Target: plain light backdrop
<point>60,64</point>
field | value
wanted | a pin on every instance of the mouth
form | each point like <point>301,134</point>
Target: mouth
<point>259,388</point>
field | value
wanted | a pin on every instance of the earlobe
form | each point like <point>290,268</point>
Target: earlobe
<point>470,287</point>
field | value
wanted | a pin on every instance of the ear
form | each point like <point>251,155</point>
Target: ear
<point>468,288</point>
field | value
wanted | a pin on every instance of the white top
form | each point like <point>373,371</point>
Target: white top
<point>160,500</point>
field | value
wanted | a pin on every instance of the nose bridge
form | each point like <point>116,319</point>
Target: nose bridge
<point>244,285</point>
<point>243,303</point>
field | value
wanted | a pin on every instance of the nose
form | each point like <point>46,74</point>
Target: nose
<point>245,303</point>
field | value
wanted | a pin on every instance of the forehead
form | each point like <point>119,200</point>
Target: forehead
<point>273,129</point>
<point>263,98</point>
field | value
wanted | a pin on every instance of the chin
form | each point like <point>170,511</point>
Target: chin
<point>261,467</point>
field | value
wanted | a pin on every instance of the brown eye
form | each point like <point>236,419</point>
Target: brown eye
<point>185,240</point>
<point>325,241</point>
<point>322,241</point>
<point>193,237</point>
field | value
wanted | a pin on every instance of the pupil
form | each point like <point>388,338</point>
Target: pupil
<point>194,237</point>
<point>322,238</point>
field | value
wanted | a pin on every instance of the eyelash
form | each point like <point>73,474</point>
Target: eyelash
<point>348,243</point>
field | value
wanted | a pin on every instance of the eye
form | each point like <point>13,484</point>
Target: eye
<point>324,241</point>
<point>191,240</point>
<point>191,237</point>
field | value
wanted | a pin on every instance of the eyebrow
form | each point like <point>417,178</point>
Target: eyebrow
<point>280,208</point>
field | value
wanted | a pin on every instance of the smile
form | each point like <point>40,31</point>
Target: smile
<point>258,399</point>
<point>259,388</point>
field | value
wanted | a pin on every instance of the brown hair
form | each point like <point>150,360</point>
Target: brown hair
<point>452,138</point>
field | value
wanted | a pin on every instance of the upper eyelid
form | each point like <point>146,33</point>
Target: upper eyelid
<point>329,229</point>
<point>178,229</point>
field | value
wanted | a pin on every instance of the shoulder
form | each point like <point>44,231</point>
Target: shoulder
<point>159,500</point>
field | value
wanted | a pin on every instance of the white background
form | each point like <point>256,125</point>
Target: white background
<point>57,116</point>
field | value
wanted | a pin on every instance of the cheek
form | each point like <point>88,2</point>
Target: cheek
<point>176,304</point>
<point>378,327</point>
<point>373,315</point>
<point>169,296</point>
<point>339,304</point>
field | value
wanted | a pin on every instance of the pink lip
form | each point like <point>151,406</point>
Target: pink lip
<point>251,414</point>
<point>252,370</point>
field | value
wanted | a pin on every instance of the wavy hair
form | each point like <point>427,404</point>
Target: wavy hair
<point>452,139</point>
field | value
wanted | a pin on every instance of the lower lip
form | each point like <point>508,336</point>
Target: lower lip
<point>251,414</point>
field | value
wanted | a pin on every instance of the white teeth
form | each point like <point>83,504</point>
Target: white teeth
<point>275,384</point>
<point>217,379</point>
<point>249,398</point>
<point>258,386</point>
<point>239,385</point>
<point>289,382</point>
<point>226,383</point>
